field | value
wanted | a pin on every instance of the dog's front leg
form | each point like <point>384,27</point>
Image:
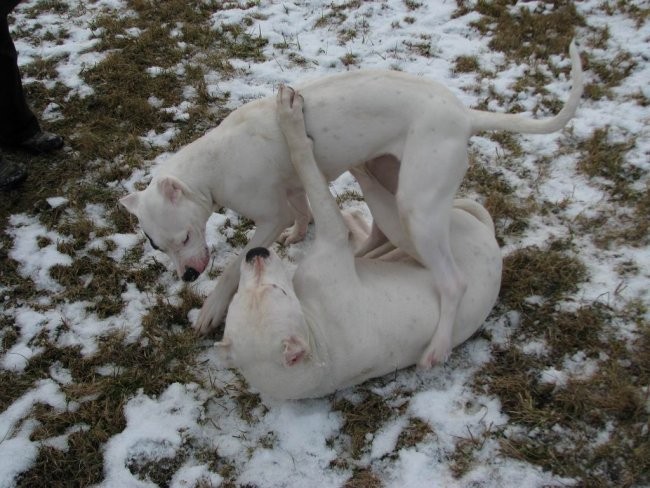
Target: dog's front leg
<point>216,303</point>
<point>330,226</point>
<point>299,207</point>
<point>214,308</point>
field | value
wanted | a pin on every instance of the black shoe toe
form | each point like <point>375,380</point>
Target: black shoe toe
<point>42,142</point>
<point>12,174</point>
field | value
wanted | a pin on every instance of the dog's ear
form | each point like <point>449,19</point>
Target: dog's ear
<point>130,202</point>
<point>294,350</point>
<point>172,188</point>
<point>224,351</point>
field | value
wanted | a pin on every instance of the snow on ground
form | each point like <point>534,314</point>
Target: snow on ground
<point>299,452</point>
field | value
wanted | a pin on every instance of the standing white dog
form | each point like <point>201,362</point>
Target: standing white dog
<point>381,124</point>
<point>344,319</point>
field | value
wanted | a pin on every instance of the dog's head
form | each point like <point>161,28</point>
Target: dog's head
<point>173,219</point>
<point>265,323</point>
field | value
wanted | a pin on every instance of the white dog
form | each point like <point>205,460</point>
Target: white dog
<point>344,319</point>
<point>380,124</point>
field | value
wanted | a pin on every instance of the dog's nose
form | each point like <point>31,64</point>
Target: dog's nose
<point>257,251</point>
<point>190,274</point>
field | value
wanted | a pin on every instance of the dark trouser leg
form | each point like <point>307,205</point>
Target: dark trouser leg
<point>17,121</point>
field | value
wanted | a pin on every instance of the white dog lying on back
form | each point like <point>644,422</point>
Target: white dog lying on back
<point>344,319</point>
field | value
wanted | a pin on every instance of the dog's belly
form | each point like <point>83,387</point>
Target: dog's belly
<point>387,324</point>
<point>392,312</point>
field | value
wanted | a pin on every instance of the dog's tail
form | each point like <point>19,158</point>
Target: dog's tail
<point>517,123</point>
<point>475,209</point>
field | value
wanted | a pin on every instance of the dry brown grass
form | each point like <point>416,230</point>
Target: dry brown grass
<point>362,418</point>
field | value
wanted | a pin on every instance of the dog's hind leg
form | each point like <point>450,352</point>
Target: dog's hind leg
<point>376,239</point>
<point>431,172</point>
<point>358,227</point>
<point>380,197</point>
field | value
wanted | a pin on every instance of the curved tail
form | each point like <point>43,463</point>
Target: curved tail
<point>518,123</point>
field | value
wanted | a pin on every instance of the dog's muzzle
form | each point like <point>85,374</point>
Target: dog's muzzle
<point>190,274</point>
<point>257,251</point>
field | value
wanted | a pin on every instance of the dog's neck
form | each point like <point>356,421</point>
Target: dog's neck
<point>204,200</point>
<point>319,355</point>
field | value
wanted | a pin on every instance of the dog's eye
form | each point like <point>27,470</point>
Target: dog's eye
<point>187,239</point>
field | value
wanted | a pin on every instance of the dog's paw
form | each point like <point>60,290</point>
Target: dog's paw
<point>291,235</point>
<point>289,107</point>
<point>209,317</point>
<point>203,326</point>
<point>436,353</point>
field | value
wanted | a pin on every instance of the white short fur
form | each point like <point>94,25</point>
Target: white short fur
<point>344,319</point>
<point>378,124</point>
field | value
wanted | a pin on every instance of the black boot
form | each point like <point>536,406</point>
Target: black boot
<point>42,142</point>
<point>12,174</point>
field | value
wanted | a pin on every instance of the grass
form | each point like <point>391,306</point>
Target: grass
<point>336,14</point>
<point>559,424</point>
<point>414,433</point>
<point>103,131</point>
<point>510,214</point>
<point>591,428</point>
<point>164,357</point>
<point>361,419</point>
<point>238,232</point>
<point>581,409</point>
<point>550,273</point>
<point>363,478</point>
<point>466,64</point>
<point>606,160</point>
<point>518,31</point>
